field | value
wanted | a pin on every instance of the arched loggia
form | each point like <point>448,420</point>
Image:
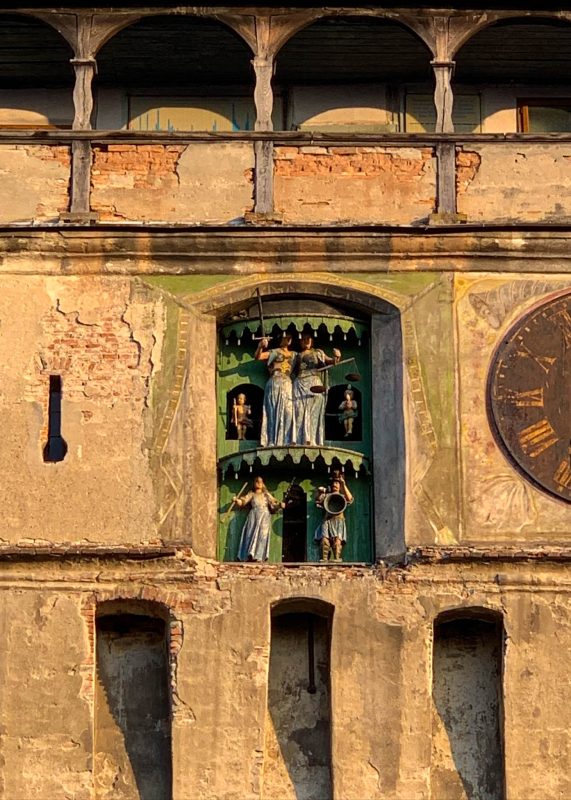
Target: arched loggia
<point>351,74</point>
<point>36,75</point>
<point>172,73</point>
<point>512,85</point>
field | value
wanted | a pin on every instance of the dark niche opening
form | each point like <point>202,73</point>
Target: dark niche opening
<point>297,753</point>
<point>467,741</point>
<point>244,412</point>
<point>344,414</point>
<point>132,711</point>
<point>295,526</point>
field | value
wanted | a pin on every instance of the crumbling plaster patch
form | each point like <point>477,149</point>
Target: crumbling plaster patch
<point>35,180</point>
<point>515,182</point>
<point>173,183</point>
<point>315,184</point>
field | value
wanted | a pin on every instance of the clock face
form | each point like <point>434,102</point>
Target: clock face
<point>530,396</point>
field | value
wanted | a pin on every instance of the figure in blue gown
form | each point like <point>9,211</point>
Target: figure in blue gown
<point>255,539</point>
<point>308,405</point>
<point>277,414</point>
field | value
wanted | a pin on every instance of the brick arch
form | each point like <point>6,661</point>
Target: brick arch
<point>469,612</point>
<point>302,605</point>
<point>331,288</point>
<point>133,605</point>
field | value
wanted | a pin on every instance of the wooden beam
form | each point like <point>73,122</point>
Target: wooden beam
<point>264,181</point>
<point>80,178</point>
<point>443,95</point>
<point>446,178</point>
<point>263,64</point>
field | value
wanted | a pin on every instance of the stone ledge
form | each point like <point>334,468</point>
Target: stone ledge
<point>460,553</point>
<point>44,552</point>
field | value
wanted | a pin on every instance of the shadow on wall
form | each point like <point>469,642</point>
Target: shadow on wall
<point>297,753</point>
<point>132,718</point>
<point>467,752</point>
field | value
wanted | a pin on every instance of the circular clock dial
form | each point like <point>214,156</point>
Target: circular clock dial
<point>530,396</point>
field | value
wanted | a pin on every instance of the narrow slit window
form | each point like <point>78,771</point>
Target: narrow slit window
<point>56,446</point>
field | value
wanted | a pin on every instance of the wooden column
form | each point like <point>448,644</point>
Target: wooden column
<point>446,178</point>
<point>445,151</point>
<point>443,95</point>
<point>85,69</point>
<point>264,151</point>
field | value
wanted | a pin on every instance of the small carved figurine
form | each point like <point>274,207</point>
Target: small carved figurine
<point>240,413</point>
<point>331,533</point>
<point>255,539</point>
<point>348,409</point>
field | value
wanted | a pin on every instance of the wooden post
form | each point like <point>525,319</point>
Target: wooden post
<point>85,69</point>
<point>80,179</point>
<point>446,178</point>
<point>81,149</point>
<point>264,151</point>
<point>443,95</point>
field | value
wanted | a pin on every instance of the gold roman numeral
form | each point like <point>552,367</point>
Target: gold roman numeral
<point>545,362</point>
<point>563,474</point>
<point>531,398</point>
<point>537,438</point>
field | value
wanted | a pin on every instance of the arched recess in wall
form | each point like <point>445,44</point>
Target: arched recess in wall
<point>467,692</point>
<point>504,84</point>
<point>367,332</point>
<point>355,74</point>
<point>297,746</point>
<point>36,76</point>
<point>133,701</point>
<point>175,73</point>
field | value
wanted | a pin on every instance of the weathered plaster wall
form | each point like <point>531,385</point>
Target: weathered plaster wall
<point>46,721</point>
<point>137,362</point>
<point>172,183</point>
<point>527,183</point>
<point>393,186</point>
<point>104,341</point>
<point>381,672</point>
<point>34,182</point>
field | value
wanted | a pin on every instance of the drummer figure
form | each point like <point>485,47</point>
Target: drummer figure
<point>331,533</point>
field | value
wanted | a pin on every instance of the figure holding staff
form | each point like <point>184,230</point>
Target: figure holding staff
<point>255,539</point>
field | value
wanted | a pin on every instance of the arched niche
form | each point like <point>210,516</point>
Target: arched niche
<point>175,72</point>
<point>36,76</point>
<point>344,412</point>
<point>133,699</point>
<point>244,412</point>
<point>297,746</point>
<point>344,74</point>
<point>373,338</point>
<point>467,691</point>
<point>512,86</point>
